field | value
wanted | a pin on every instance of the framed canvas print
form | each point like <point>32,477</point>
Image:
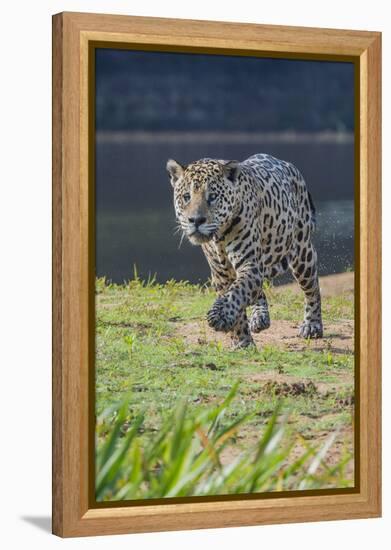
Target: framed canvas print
<point>216,239</point>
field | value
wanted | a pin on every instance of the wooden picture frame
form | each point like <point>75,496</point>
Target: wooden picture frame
<point>74,36</point>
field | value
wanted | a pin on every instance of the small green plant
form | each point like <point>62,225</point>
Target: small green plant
<point>185,456</point>
<point>130,340</point>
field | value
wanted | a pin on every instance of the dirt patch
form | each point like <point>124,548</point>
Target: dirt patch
<point>338,337</point>
<point>285,388</point>
<point>140,327</point>
<point>343,444</point>
<point>284,385</point>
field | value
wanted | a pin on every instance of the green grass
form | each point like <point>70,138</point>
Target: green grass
<point>185,456</point>
<point>140,351</point>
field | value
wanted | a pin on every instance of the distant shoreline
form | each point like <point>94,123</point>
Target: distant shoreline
<point>223,137</point>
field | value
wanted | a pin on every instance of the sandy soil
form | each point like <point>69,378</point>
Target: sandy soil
<point>338,337</point>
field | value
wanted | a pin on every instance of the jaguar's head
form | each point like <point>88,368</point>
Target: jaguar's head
<point>205,195</point>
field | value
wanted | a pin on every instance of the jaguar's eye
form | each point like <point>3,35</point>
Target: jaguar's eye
<point>186,197</point>
<point>212,197</point>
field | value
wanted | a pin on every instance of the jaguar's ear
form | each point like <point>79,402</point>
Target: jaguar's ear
<point>175,170</point>
<point>232,170</point>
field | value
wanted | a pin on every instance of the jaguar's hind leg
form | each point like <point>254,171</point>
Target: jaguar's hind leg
<point>305,270</point>
<point>260,318</point>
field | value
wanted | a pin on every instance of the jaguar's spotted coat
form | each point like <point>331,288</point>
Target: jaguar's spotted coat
<point>253,220</point>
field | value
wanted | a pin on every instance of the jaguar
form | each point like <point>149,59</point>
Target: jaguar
<point>254,220</point>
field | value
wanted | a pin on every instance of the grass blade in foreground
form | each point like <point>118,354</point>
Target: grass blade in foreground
<point>185,457</point>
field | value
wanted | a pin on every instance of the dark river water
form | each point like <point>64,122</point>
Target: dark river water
<point>135,218</point>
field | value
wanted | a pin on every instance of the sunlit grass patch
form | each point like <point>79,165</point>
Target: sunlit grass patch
<point>139,350</point>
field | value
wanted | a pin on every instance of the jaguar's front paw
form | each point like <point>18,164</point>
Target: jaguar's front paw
<point>311,329</point>
<point>222,316</point>
<point>260,320</point>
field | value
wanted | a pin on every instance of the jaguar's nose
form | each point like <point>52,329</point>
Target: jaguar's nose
<point>197,220</point>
